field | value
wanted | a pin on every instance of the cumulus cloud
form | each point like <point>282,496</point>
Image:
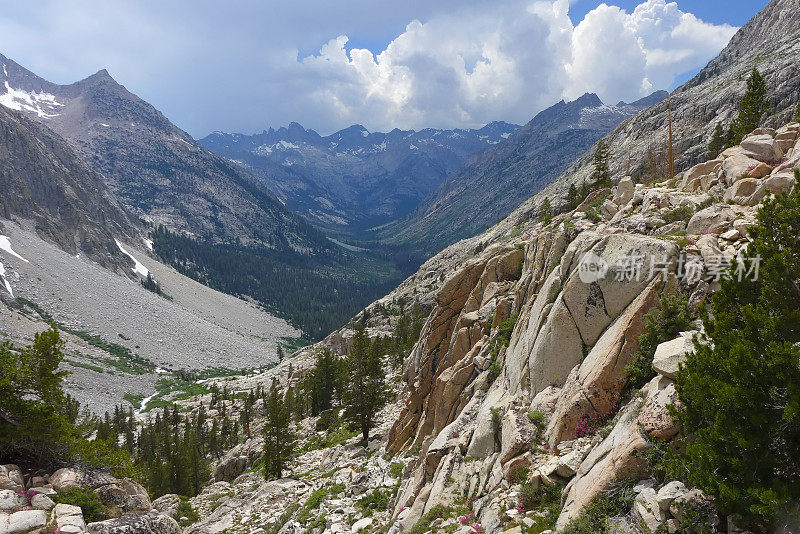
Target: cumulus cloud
<point>508,61</point>
<point>248,65</point>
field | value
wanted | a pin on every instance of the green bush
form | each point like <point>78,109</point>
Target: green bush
<point>682,213</point>
<point>538,418</point>
<point>185,513</point>
<point>424,523</point>
<point>666,460</point>
<point>614,502</point>
<point>740,393</point>
<point>662,324</point>
<point>396,469</point>
<point>375,501</point>
<point>88,501</point>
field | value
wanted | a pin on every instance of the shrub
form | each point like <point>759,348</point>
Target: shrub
<point>497,424</point>
<point>611,503</point>
<point>666,460</point>
<point>538,418</point>
<point>682,213</point>
<point>519,474</point>
<point>396,469</point>
<point>741,392</point>
<point>591,423</point>
<point>91,505</point>
<point>424,523</point>
<point>185,513</point>
<point>375,501</point>
<point>662,324</point>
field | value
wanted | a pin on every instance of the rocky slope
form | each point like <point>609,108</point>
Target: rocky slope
<point>496,181</point>
<point>48,188</point>
<point>769,42</point>
<point>353,179</point>
<point>158,171</point>
<point>121,337</point>
<point>517,382</point>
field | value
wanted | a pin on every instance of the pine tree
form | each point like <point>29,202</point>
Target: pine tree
<point>717,143</point>
<point>279,437</point>
<point>545,211</point>
<point>365,392</point>
<point>754,103</point>
<point>741,392</point>
<point>796,117</point>
<point>323,381</point>
<point>601,176</point>
<point>280,352</point>
<point>751,108</point>
<point>573,198</point>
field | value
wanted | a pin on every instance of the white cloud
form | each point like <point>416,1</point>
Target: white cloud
<point>248,65</point>
<point>508,61</point>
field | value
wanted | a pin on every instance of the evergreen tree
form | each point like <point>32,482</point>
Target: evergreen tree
<point>365,391</point>
<point>796,117</point>
<point>280,352</point>
<point>751,108</point>
<point>741,392</point>
<point>573,198</point>
<point>717,143</point>
<point>33,428</point>
<point>601,176</point>
<point>279,437</point>
<point>545,211</point>
<point>324,381</point>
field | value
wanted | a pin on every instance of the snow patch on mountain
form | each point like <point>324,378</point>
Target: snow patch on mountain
<point>3,278</point>
<point>5,246</point>
<point>138,267</point>
<point>42,104</point>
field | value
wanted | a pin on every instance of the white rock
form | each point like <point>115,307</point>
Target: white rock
<point>361,524</point>
<point>25,521</point>
<point>40,501</point>
<point>66,510</point>
<point>569,463</point>
<point>731,235</point>
<point>669,493</point>
<point>646,510</point>
<point>762,147</point>
<point>670,354</point>
<point>624,191</point>
<point>10,500</point>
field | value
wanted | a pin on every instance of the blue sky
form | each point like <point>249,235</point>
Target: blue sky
<point>735,12</point>
<point>247,65</point>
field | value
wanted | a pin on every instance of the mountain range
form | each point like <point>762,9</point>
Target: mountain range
<point>496,181</point>
<point>208,217</point>
<point>354,179</point>
<point>420,189</point>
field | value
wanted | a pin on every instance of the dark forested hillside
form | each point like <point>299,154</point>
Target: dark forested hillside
<point>317,293</point>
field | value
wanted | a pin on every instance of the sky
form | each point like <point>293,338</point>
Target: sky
<point>253,64</point>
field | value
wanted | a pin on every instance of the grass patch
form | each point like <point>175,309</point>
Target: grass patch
<point>83,365</point>
<point>681,213</point>
<point>134,400</point>
<point>315,500</point>
<point>124,359</point>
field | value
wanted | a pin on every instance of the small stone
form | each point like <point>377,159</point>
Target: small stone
<point>41,501</point>
<point>671,354</point>
<point>361,524</point>
<point>10,500</point>
<point>731,235</point>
